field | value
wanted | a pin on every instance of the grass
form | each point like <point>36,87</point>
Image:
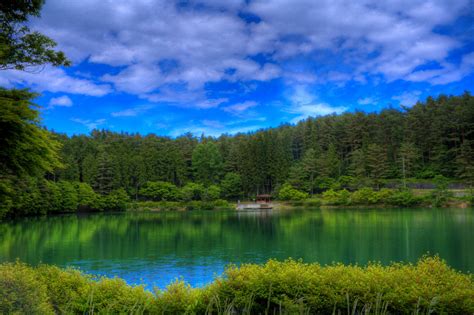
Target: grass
<point>290,287</point>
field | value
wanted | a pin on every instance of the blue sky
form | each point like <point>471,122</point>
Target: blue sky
<point>214,67</point>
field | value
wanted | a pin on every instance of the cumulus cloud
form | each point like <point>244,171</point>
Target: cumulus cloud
<point>304,104</point>
<point>170,51</point>
<point>367,101</point>
<point>134,111</point>
<point>239,108</point>
<point>408,98</point>
<point>53,80</point>
<point>63,101</point>
<point>90,124</point>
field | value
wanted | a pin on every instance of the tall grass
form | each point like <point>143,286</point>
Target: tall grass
<point>289,287</point>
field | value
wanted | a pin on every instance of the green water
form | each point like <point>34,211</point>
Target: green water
<point>155,248</point>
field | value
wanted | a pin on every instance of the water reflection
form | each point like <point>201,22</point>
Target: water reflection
<point>155,248</point>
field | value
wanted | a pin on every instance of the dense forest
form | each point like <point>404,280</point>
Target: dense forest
<point>348,151</point>
<point>357,149</point>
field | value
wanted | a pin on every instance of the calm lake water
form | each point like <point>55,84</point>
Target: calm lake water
<point>156,248</point>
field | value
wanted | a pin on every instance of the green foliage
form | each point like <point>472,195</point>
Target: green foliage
<point>288,287</point>
<point>287,192</point>
<point>21,292</point>
<point>365,196</point>
<point>207,163</point>
<point>440,195</point>
<point>231,186</point>
<point>69,199</point>
<point>27,149</point>
<point>404,198</point>
<point>20,48</point>
<point>87,198</point>
<point>117,200</point>
<point>160,191</point>
<point>212,192</point>
<point>336,197</point>
<point>192,191</point>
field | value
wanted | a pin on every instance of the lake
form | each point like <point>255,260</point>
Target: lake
<point>156,248</point>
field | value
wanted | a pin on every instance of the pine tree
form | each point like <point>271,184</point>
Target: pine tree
<point>103,181</point>
<point>377,162</point>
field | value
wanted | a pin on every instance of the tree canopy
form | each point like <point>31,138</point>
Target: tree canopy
<point>20,47</point>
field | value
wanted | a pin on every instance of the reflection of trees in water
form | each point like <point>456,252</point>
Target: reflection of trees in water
<point>319,235</point>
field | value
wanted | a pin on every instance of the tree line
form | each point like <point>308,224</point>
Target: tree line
<point>351,150</point>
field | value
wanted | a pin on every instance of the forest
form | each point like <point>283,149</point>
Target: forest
<point>105,170</point>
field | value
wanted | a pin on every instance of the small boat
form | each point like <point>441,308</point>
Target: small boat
<point>263,202</point>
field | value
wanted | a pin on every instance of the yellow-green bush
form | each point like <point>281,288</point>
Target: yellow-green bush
<point>21,292</point>
<point>289,287</point>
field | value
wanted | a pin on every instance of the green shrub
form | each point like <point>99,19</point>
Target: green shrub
<point>158,191</point>
<point>404,198</point>
<point>221,204</point>
<point>289,287</point>
<point>365,196</point>
<point>117,200</point>
<point>287,192</point>
<point>179,298</point>
<point>212,192</point>
<point>192,191</point>
<point>336,197</point>
<point>21,292</point>
<point>295,287</point>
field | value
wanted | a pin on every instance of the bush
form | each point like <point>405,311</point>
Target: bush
<point>192,191</point>
<point>117,200</point>
<point>365,196</point>
<point>158,191</point>
<point>336,197</point>
<point>21,292</point>
<point>289,287</point>
<point>404,198</point>
<point>287,192</point>
<point>294,287</point>
<point>212,192</point>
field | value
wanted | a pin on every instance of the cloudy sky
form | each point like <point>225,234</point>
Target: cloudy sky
<point>213,66</point>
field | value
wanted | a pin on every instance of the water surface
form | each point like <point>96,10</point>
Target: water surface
<point>156,248</point>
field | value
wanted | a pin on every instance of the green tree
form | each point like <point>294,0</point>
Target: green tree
<point>408,159</point>
<point>103,181</point>
<point>207,163</point>
<point>287,192</point>
<point>87,197</point>
<point>465,162</point>
<point>21,48</point>
<point>231,186</point>
<point>377,162</point>
<point>192,191</point>
<point>211,193</point>
<point>160,191</point>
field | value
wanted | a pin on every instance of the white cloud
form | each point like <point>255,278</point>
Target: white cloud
<point>304,104</point>
<point>408,98</point>
<point>159,44</point>
<point>239,108</point>
<point>90,124</point>
<point>53,80</point>
<point>134,111</point>
<point>64,101</point>
<point>367,101</point>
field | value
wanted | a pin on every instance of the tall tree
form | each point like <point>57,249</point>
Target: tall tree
<point>207,163</point>
<point>21,48</point>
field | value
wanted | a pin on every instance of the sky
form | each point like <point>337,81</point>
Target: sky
<point>170,67</point>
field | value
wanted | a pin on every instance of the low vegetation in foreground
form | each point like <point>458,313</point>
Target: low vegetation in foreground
<point>290,287</point>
